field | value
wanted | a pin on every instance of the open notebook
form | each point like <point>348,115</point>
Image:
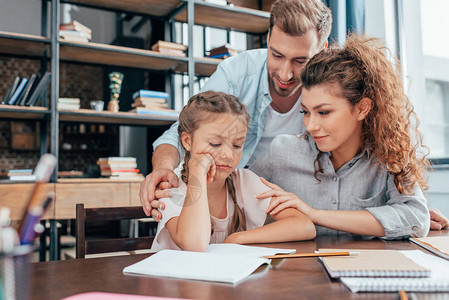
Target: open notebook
<point>438,245</point>
<point>372,263</point>
<point>227,263</point>
<point>437,282</point>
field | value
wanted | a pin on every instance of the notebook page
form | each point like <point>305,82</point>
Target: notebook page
<point>241,250</point>
<point>438,282</point>
<point>436,244</point>
<point>197,266</point>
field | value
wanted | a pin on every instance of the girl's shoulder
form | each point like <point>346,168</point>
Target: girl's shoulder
<point>248,182</point>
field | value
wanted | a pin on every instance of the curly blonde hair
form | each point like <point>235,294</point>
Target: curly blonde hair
<point>390,130</point>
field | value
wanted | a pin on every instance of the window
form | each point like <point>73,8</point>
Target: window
<point>425,59</point>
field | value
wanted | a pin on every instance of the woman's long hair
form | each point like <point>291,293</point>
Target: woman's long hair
<point>390,130</point>
<point>204,107</point>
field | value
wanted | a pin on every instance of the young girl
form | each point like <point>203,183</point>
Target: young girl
<point>216,203</point>
<point>358,168</point>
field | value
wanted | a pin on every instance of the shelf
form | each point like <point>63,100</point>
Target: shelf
<point>238,18</point>
<point>96,180</point>
<point>23,112</point>
<point>120,118</point>
<point>204,66</point>
<point>23,44</point>
<point>117,56</point>
<point>158,8</point>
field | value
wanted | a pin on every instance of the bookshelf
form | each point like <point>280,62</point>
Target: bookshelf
<point>51,51</point>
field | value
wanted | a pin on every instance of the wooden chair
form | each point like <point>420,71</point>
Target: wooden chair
<point>86,215</point>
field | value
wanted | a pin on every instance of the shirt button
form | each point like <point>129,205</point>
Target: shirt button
<point>334,178</point>
<point>415,228</point>
<point>334,201</point>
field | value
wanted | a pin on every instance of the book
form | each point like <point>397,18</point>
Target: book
<point>15,96</point>
<point>11,90</point>
<point>150,100</point>
<point>73,35</point>
<point>437,282</point>
<point>225,49</point>
<point>116,159</point>
<point>26,91</point>
<point>228,263</point>
<point>68,106</point>
<point>169,51</point>
<point>168,45</point>
<point>438,245</point>
<point>31,177</point>
<point>16,172</point>
<point>149,94</point>
<point>41,86</point>
<point>155,111</point>
<point>75,25</point>
<point>372,263</point>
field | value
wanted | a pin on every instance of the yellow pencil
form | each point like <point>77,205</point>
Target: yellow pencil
<point>304,255</point>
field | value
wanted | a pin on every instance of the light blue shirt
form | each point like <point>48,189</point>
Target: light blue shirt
<point>244,76</point>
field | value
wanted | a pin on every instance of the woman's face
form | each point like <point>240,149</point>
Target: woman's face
<point>334,123</point>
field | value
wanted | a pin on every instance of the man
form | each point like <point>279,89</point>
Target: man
<point>266,81</point>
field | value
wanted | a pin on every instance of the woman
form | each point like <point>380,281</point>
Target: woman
<point>358,168</point>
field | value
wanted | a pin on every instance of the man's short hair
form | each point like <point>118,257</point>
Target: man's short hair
<point>297,17</point>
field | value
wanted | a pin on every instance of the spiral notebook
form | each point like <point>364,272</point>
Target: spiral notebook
<point>438,245</point>
<point>438,282</point>
<point>373,263</point>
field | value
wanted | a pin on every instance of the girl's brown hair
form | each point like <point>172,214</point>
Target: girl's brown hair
<point>390,130</point>
<point>204,107</point>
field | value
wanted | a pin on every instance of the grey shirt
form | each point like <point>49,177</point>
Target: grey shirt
<point>360,184</point>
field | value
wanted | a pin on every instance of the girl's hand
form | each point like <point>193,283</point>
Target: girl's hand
<point>233,238</point>
<point>281,200</point>
<point>202,164</point>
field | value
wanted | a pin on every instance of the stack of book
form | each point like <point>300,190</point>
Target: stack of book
<point>152,102</point>
<point>69,103</point>
<point>223,52</point>
<point>75,32</point>
<point>21,175</point>
<point>27,91</point>
<point>119,168</point>
<point>169,48</point>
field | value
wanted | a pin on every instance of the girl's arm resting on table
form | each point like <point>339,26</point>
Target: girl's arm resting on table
<point>191,230</point>
<point>289,225</point>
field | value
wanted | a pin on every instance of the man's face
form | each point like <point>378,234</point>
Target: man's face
<point>287,55</point>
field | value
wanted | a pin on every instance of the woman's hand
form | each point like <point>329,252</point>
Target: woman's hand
<point>281,200</point>
<point>202,164</point>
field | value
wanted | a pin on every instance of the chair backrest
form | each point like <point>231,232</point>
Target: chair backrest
<point>86,215</point>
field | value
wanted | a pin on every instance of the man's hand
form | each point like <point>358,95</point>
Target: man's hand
<point>437,220</point>
<point>152,188</point>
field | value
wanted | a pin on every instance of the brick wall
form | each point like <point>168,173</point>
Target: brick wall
<point>76,80</point>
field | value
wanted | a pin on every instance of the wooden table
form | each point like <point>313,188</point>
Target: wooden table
<point>303,278</point>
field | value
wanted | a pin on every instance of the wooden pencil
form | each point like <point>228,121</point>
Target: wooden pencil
<point>305,255</point>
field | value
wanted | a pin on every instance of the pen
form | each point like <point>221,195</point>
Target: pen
<point>303,255</point>
<point>43,171</point>
<point>32,217</point>
<point>403,295</point>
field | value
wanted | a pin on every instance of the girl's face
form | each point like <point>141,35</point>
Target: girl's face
<point>334,123</point>
<point>222,136</point>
